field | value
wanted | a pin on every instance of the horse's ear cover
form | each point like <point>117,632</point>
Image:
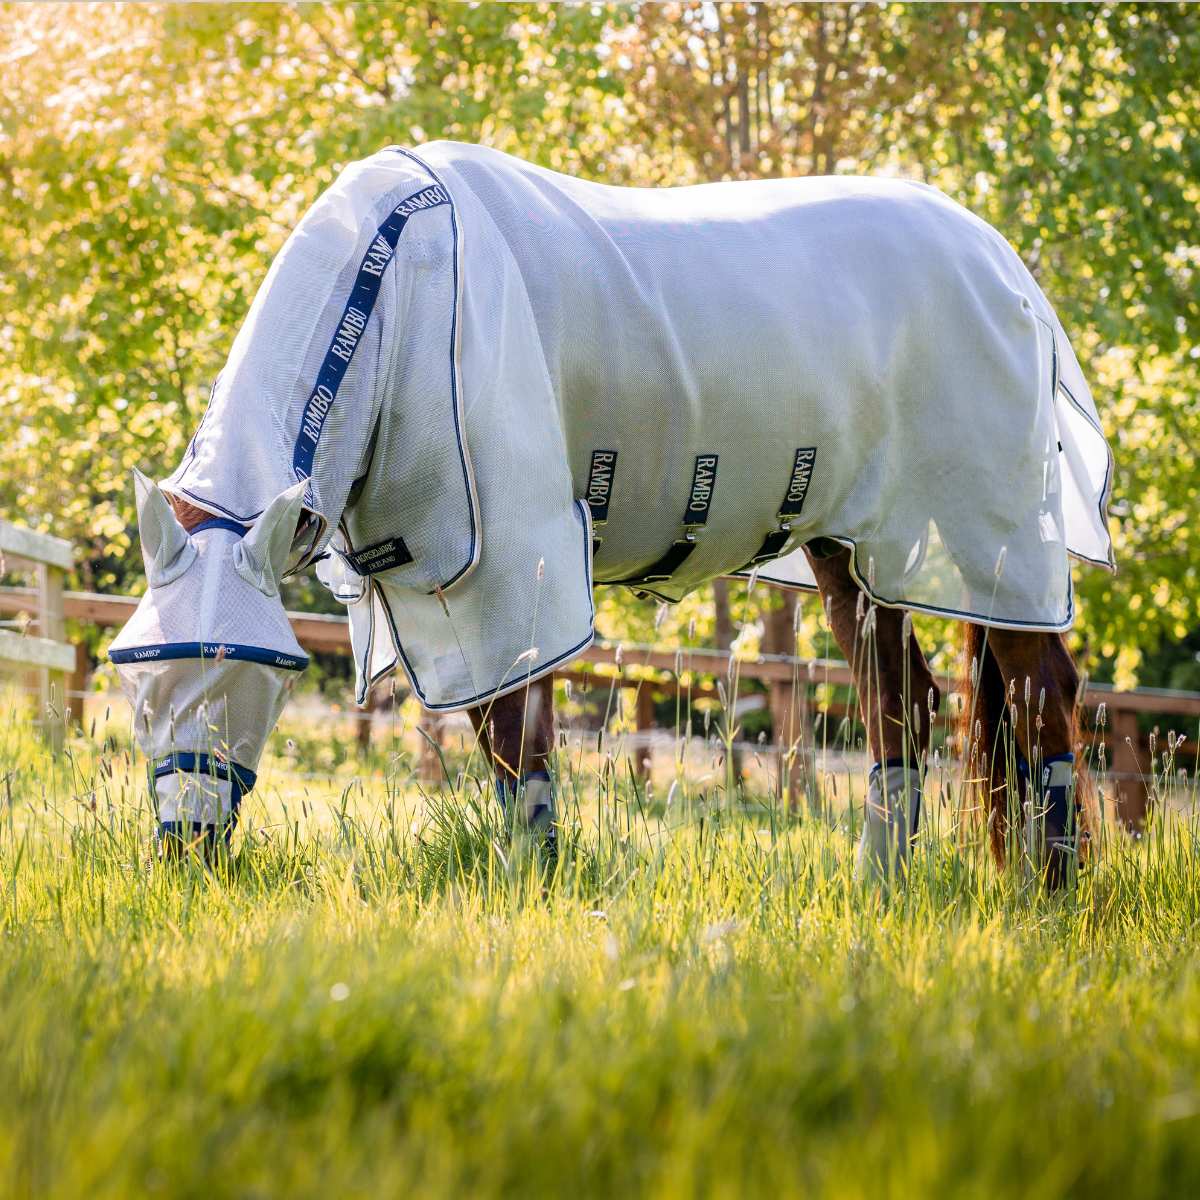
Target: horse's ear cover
<point>166,548</point>
<point>261,557</point>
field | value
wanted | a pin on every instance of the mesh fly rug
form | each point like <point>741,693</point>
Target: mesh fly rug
<point>501,385</point>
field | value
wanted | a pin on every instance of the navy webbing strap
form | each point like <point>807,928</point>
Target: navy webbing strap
<point>360,303</point>
<point>222,523</point>
<point>242,778</point>
<point>792,506</point>
<point>695,517</point>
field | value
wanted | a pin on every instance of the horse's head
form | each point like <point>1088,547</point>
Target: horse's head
<point>208,658</point>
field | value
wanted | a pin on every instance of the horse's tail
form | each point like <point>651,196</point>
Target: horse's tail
<point>984,761</point>
<point>986,739</point>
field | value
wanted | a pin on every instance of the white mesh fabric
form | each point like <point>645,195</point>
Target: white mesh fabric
<point>527,320</point>
<point>873,319</point>
<point>243,453</point>
<point>201,706</point>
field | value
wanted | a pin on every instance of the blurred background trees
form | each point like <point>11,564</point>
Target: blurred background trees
<point>153,158</point>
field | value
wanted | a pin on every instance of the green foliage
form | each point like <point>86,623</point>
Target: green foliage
<point>153,158</point>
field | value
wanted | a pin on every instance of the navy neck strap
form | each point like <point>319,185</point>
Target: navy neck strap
<point>222,523</point>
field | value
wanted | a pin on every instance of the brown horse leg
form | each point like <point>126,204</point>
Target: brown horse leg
<point>898,696</point>
<point>517,733</point>
<point>1041,683</point>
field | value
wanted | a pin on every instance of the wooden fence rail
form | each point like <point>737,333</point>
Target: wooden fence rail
<point>787,680</point>
<point>46,653</point>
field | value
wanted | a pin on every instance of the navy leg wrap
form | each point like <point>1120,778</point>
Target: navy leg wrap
<point>537,816</point>
<point>186,833</point>
<point>1055,797</point>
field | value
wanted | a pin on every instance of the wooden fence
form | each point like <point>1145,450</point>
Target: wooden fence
<point>44,653</point>
<point>652,672</point>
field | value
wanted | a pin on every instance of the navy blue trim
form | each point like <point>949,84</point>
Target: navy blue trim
<point>222,523</point>
<point>502,688</point>
<point>879,767</point>
<point>915,606</point>
<point>361,302</point>
<point>241,778</point>
<point>1055,798</point>
<point>504,786</point>
<point>1106,491</point>
<point>205,502</point>
<point>232,651</point>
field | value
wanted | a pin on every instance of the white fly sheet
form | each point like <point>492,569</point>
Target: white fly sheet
<point>502,384</point>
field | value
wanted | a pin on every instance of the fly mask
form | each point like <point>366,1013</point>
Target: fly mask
<point>208,658</point>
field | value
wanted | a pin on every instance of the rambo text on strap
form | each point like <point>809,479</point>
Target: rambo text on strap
<point>599,490</point>
<point>695,516</point>
<point>792,506</point>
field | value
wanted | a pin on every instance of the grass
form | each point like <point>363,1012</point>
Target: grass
<point>384,996</point>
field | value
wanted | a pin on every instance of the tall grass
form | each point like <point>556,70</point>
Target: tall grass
<point>385,993</point>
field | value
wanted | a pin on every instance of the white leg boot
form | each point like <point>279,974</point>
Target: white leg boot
<point>891,819</point>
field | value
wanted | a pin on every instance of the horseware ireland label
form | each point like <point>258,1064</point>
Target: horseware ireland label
<point>600,480</point>
<point>802,469</point>
<point>379,557</point>
<point>704,478</point>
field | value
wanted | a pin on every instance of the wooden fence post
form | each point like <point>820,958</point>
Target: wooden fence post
<point>77,684</point>
<point>644,715</point>
<point>52,692</point>
<point>789,722</point>
<point>1130,764</point>
<point>429,761</point>
<point>49,558</point>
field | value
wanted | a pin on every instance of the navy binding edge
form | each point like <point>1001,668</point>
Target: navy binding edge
<point>222,523</point>
<point>233,651</point>
<point>368,278</point>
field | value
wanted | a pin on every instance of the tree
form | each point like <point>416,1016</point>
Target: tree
<point>153,160</point>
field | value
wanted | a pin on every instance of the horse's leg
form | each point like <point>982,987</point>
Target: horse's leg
<point>517,733</point>
<point>1041,683</point>
<point>898,697</point>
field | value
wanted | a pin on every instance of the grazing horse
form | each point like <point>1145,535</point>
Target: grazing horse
<point>470,389</point>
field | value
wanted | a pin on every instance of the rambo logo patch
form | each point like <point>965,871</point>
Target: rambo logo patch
<point>802,469</point>
<point>600,481</point>
<point>704,479</point>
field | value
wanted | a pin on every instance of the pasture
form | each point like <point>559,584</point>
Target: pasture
<point>383,995</point>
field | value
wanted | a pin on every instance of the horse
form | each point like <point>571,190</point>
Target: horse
<point>471,389</point>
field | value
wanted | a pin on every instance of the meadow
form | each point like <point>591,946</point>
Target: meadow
<point>382,993</point>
